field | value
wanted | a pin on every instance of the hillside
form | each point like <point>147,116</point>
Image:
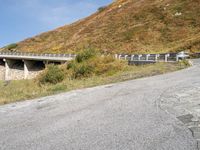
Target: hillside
<point>128,26</point>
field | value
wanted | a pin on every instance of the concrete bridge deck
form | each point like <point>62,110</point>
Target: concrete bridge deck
<point>33,56</point>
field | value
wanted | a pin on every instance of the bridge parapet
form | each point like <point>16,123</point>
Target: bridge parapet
<point>34,56</point>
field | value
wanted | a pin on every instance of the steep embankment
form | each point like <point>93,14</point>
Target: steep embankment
<point>127,26</point>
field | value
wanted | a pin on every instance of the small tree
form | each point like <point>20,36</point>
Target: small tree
<point>52,75</point>
<point>11,46</point>
<point>102,8</point>
<point>85,55</point>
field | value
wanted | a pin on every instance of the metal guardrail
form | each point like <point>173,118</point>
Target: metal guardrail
<point>134,57</point>
<point>37,55</point>
<point>195,55</point>
<point>166,57</point>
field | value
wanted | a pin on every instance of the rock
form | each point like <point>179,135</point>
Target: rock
<point>178,14</point>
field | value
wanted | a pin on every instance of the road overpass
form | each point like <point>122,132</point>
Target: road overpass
<point>19,65</point>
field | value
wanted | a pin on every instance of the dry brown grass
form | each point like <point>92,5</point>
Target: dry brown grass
<point>29,89</point>
<point>137,27</point>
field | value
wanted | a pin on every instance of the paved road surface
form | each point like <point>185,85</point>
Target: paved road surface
<point>122,116</point>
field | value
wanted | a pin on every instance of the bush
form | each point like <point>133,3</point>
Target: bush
<point>71,65</point>
<point>53,75</point>
<point>85,55</point>
<point>83,70</point>
<point>107,65</point>
<point>89,63</point>
<point>102,8</point>
<point>184,63</point>
<point>82,66</point>
<point>11,46</point>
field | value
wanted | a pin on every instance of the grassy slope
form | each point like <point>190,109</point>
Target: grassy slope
<point>28,89</point>
<point>138,26</point>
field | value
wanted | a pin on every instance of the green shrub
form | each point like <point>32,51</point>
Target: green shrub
<point>71,64</point>
<point>184,63</point>
<point>85,55</point>
<point>128,35</point>
<point>81,67</point>
<point>83,70</point>
<point>89,63</point>
<point>53,75</point>
<point>107,65</point>
<point>102,8</point>
<point>11,46</point>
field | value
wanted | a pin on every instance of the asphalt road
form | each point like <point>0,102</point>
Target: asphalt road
<point>122,116</point>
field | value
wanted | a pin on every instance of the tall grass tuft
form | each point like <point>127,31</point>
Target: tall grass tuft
<point>53,75</point>
<point>89,62</point>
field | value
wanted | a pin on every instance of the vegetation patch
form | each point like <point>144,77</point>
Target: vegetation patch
<point>90,63</point>
<point>11,46</point>
<point>88,70</point>
<point>53,75</point>
<point>102,8</point>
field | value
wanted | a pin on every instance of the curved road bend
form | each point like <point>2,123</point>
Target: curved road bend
<point>122,116</point>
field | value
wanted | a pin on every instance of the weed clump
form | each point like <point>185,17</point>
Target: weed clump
<point>89,62</point>
<point>102,8</point>
<point>11,46</point>
<point>86,54</point>
<point>184,63</point>
<point>53,75</point>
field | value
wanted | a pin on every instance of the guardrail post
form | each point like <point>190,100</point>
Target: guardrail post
<point>147,57</point>
<point>166,57</point>
<point>132,57</point>
<point>126,57</point>
<point>139,57</point>
<point>120,57</point>
<point>177,58</point>
<point>156,57</point>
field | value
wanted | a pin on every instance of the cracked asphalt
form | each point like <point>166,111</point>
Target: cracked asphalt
<point>140,114</point>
